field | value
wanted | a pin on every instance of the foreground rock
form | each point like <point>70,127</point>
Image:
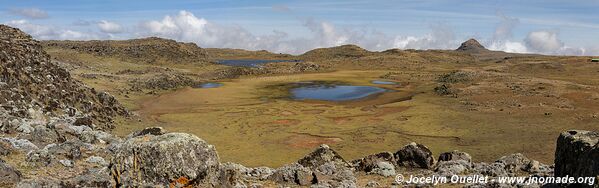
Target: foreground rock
<point>415,155</point>
<point>171,158</point>
<point>577,154</point>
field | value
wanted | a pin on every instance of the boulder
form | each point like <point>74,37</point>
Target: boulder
<point>5,148</point>
<point>8,174</point>
<point>164,159</point>
<point>330,169</point>
<point>514,162</point>
<point>415,155</point>
<point>293,174</point>
<point>577,154</point>
<point>369,163</point>
<point>452,167</point>
<point>454,156</point>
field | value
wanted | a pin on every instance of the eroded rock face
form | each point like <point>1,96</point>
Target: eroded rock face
<point>164,159</point>
<point>577,154</point>
<point>454,156</point>
<point>415,155</point>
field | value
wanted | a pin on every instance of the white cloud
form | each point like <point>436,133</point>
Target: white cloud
<point>32,13</point>
<point>44,32</point>
<point>109,27</point>
<point>543,41</point>
<point>508,46</point>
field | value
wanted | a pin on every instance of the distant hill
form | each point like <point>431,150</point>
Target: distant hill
<point>471,45</point>
<point>146,50</point>
<point>344,51</point>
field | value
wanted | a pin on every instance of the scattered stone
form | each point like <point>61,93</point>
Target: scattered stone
<point>5,148</point>
<point>373,183</point>
<point>21,144</point>
<point>66,163</point>
<point>148,131</point>
<point>453,167</point>
<point>415,155</point>
<point>159,160</point>
<point>494,169</point>
<point>329,168</point>
<point>514,162</point>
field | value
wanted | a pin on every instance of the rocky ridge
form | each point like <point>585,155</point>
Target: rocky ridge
<point>33,87</point>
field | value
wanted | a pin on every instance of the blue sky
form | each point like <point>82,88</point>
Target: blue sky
<point>549,27</point>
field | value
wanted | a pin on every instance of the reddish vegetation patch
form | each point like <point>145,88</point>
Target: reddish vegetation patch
<point>287,121</point>
<point>310,141</point>
<point>181,182</point>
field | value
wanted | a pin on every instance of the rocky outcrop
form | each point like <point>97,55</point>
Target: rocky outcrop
<point>471,45</point>
<point>146,50</point>
<point>29,81</point>
<point>171,158</point>
<point>577,154</point>
<point>415,155</point>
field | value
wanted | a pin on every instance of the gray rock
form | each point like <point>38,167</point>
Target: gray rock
<point>8,174</point>
<point>158,160</point>
<point>25,128</point>
<point>384,169</point>
<point>369,163</point>
<point>40,157</point>
<point>91,178</point>
<point>416,156</point>
<point>39,183</point>
<point>514,162</point>
<point>96,160</point>
<point>455,155</point>
<point>453,167</point>
<point>577,154</point>
<point>21,144</point>
<point>42,136</point>
<point>293,174</point>
<point>148,131</point>
<point>232,175</point>
<point>494,169</point>
<point>329,168</point>
<point>66,163</point>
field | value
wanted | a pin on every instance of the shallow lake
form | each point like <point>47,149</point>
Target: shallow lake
<point>330,92</point>
<point>382,82</point>
<point>209,85</point>
<point>250,62</point>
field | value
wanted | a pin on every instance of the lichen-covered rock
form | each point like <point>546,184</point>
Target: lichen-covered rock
<point>369,163</point>
<point>454,167</point>
<point>577,154</point>
<point>454,156</point>
<point>330,169</point>
<point>514,162</point>
<point>293,174</point>
<point>384,168</point>
<point>415,155</point>
<point>163,159</point>
<point>493,169</point>
<point>30,80</point>
<point>20,144</point>
<point>8,174</point>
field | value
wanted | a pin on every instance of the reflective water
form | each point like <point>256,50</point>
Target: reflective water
<point>250,62</point>
<point>209,85</point>
<point>329,92</point>
<point>382,82</point>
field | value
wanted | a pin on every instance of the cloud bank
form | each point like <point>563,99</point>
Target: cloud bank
<point>186,27</point>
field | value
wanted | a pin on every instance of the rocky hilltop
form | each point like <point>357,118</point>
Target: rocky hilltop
<point>471,45</point>
<point>146,50</point>
<point>31,86</point>
<point>343,51</point>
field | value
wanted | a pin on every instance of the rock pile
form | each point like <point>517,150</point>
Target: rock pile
<point>31,86</point>
<point>471,45</point>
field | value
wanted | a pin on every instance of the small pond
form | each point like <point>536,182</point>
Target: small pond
<point>250,62</point>
<point>383,82</point>
<point>333,92</point>
<point>209,85</point>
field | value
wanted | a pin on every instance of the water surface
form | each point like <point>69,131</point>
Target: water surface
<point>331,92</point>
<point>383,82</point>
<point>209,85</point>
<point>250,62</point>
